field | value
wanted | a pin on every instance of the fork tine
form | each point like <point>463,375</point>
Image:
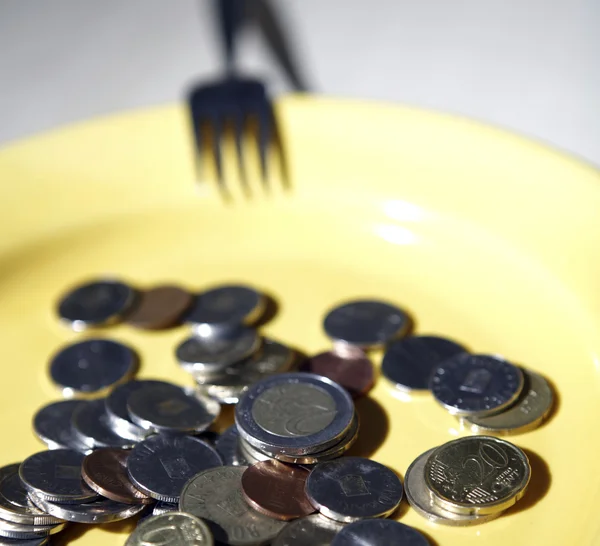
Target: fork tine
<point>237,123</point>
<point>217,129</point>
<point>265,121</point>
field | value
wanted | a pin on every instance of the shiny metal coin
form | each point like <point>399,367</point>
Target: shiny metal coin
<point>55,475</point>
<point>227,388</point>
<point>116,409</point>
<point>52,425</point>
<point>528,412</point>
<point>294,414</point>
<point>476,385</point>
<point>248,454</point>
<point>91,427</point>
<point>227,445</point>
<point>19,531</point>
<point>160,307</point>
<point>419,497</point>
<point>97,511</point>
<point>161,508</point>
<point>377,532</point>
<point>215,353</point>
<point>40,541</point>
<point>168,408</point>
<point>161,465</point>
<point>408,363</point>
<point>14,505</point>
<point>174,529</point>
<point>105,471</point>
<point>365,323</point>
<point>92,366</point>
<point>225,307</point>
<point>477,475</point>
<point>215,495</point>
<point>353,488</point>
<point>96,303</point>
<point>315,530</point>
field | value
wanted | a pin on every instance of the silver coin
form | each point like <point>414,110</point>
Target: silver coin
<point>376,532</point>
<point>227,388</point>
<point>91,427</point>
<point>174,529</point>
<point>56,475</point>
<point>476,385</point>
<point>14,505</point>
<point>477,475</point>
<point>226,307</point>
<point>161,508</point>
<point>227,445</point>
<point>116,409</point>
<point>353,488</point>
<point>20,531</point>
<point>92,366</point>
<point>170,409</point>
<point>210,354</point>
<point>52,425</point>
<point>98,511</point>
<point>530,410</point>
<point>216,496</point>
<point>161,465</point>
<point>250,454</point>
<point>315,530</point>
<point>40,541</point>
<point>294,413</point>
<point>96,303</point>
<point>365,323</point>
<point>419,497</point>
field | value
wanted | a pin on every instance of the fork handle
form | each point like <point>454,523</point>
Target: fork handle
<point>230,15</point>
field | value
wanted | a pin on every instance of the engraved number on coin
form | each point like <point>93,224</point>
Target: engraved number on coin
<point>476,381</point>
<point>64,472</point>
<point>353,486</point>
<point>175,467</point>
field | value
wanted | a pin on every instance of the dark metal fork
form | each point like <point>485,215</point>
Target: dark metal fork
<point>233,104</point>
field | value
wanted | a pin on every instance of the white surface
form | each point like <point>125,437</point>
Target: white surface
<point>529,65</point>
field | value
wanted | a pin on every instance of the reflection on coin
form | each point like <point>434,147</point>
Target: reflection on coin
<point>160,307</point>
<point>375,532</point>
<point>419,497</point>
<point>161,465</point>
<point>294,413</point>
<point>480,385</point>
<point>174,529</point>
<point>409,362</point>
<point>353,488</point>
<point>19,531</point>
<point>97,303</point>
<point>214,353</point>
<point>226,306</point>
<point>170,409</point>
<point>315,530</point>
<point>477,475</point>
<point>277,490</point>
<point>355,373</point>
<point>52,425</point>
<point>90,367</point>
<point>161,508</point>
<point>116,409</point>
<point>91,427</point>
<point>227,445</point>
<point>530,410</point>
<point>41,541</point>
<point>216,496</point>
<point>98,511</point>
<point>14,505</point>
<point>105,471</point>
<point>365,323</point>
<point>56,475</point>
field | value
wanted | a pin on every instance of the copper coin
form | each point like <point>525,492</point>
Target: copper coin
<point>160,307</point>
<point>105,471</point>
<point>277,490</point>
<point>353,371</point>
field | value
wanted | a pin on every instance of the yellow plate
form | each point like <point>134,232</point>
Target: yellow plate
<point>480,235</point>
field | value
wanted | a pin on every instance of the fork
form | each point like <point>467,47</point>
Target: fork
<point>233,102</point>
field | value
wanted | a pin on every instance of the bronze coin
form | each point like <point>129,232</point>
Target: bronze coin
<point>353,371</point>
<point>105,471</point>
<point>160,307</point>
<point>277,490</point>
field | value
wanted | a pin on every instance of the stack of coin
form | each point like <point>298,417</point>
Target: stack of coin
<point>467,481</point>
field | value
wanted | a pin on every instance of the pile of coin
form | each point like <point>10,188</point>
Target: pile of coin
<point>487,393</point>
<point>467,481</point>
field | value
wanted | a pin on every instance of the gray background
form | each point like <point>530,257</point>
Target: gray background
<point>529,65</point>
